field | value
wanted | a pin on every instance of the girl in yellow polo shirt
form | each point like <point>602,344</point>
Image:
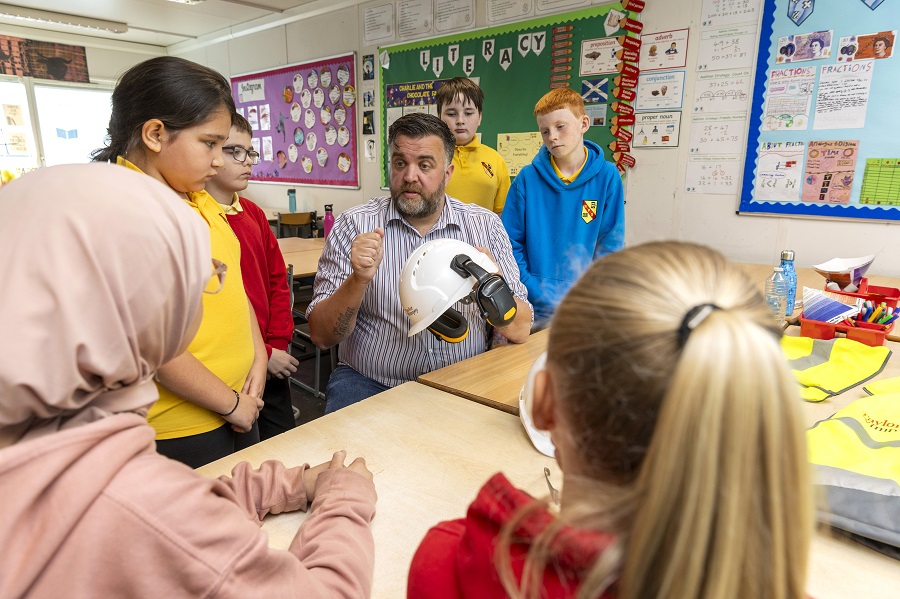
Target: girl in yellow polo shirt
<point>169,120</point>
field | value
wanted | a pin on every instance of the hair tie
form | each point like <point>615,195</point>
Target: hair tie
<point>692,320</point>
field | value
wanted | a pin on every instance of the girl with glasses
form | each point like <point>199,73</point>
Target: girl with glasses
<point>170,119</point>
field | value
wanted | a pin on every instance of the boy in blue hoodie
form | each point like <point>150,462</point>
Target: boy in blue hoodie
<point>565,209</point>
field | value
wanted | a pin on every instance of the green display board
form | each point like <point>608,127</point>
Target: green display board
<point>515,65</point>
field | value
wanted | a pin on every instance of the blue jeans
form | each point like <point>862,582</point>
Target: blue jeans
<point>347,387</point>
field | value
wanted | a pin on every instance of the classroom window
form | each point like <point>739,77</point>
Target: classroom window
<point>18,151</point>
<point>45,125</point>
<point>73,122</point>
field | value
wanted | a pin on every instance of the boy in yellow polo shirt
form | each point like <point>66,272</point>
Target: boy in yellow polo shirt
<point>566,208</point>
<point>480,175</point>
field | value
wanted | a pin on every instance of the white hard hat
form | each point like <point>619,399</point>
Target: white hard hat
<point>540,439</point>
<point>428,286</point>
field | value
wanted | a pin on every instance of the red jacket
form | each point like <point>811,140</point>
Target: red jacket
<point>265,275</point>
<point>455,559</point>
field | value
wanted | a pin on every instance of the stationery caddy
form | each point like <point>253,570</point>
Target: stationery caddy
<point>868,333</point>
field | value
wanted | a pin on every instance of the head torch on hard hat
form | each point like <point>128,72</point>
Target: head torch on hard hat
<point>445,271</point>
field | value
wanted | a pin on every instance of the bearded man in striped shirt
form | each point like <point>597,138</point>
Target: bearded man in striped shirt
<point>355,298</point>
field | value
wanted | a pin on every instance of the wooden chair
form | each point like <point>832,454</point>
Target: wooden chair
<point>303,224</point>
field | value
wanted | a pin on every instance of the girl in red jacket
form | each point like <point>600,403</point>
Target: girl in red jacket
<point>676,424</point>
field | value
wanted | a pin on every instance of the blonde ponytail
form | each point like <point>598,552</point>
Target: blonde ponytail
<point>690,439</point>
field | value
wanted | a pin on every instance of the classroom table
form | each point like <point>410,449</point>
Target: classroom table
<point>302,254</point>
<point>430,452</point>
<point>493,378</point>
<point>301,244</point>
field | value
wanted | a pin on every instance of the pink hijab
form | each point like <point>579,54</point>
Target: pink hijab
<point>101,271</point>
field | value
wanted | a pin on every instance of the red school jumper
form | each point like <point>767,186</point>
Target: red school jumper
<point>456,558</point>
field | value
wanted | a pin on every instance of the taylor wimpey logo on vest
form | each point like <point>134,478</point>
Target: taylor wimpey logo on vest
<point>883,425</point>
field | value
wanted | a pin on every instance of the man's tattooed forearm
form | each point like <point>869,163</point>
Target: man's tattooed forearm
<point>343,322</point>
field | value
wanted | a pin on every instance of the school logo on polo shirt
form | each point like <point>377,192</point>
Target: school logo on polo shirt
<point>588,210</point>
<point>487,169</point>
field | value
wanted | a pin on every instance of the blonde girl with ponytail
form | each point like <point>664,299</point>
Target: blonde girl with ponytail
<point>677,427</point>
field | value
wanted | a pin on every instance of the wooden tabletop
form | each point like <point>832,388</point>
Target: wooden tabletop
<point>305,263</point>
<point>300,244</point>
<point>302,254</point>
<point>493,378</point>
<point>430,452</point>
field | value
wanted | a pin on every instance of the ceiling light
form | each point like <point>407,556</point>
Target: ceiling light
<point>46,17</point>
<point>188,2</point>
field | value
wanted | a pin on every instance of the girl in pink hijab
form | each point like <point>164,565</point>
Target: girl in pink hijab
<point>102,272</point>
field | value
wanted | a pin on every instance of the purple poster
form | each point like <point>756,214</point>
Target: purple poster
<point>304,121</point>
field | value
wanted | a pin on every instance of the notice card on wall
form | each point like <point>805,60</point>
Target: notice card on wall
<point>722,91</point>
<point>718,133</point>
<point>450,15</point>
<point>713,174</point>
<point>656,129</point>
<point>664,50</point>
<point>518,149</point>
<point>716,13</point>
<point>660,91</point>
<point>779,173</point>
<point>830,167</point>
<point>727,48</point>
<point>378,24</point>
<point>843,95</point>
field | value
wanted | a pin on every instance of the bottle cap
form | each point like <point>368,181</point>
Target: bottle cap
<point>787,255</point>
<point>328,207</point>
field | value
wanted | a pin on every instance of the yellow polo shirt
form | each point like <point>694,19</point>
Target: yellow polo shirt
<point>480,176</point>
<point>224,343</point>
<point>574,176</point>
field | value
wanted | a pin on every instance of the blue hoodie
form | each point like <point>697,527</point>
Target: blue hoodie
<point>555,229</point>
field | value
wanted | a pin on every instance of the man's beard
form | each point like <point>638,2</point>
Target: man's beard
<point>422,207</point>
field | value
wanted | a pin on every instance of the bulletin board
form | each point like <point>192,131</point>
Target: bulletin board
<point>515,65</point>
<point>823,131</point>
<point>304,121</point>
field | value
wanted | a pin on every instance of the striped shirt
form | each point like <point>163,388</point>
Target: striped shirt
<point>378,346</point>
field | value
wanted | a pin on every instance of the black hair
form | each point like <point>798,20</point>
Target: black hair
<point>178,92</point>
<point>421,124</point>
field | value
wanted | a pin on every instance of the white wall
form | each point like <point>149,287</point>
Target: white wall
<point>657,207</point>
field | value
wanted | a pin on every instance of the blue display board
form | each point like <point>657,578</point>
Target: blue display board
<point>823,132</point>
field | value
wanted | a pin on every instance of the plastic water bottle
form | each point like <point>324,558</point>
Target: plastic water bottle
<point>328,219</point>
<point>292,200</point>
<point>790,277</point>
<point>776,294</point>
